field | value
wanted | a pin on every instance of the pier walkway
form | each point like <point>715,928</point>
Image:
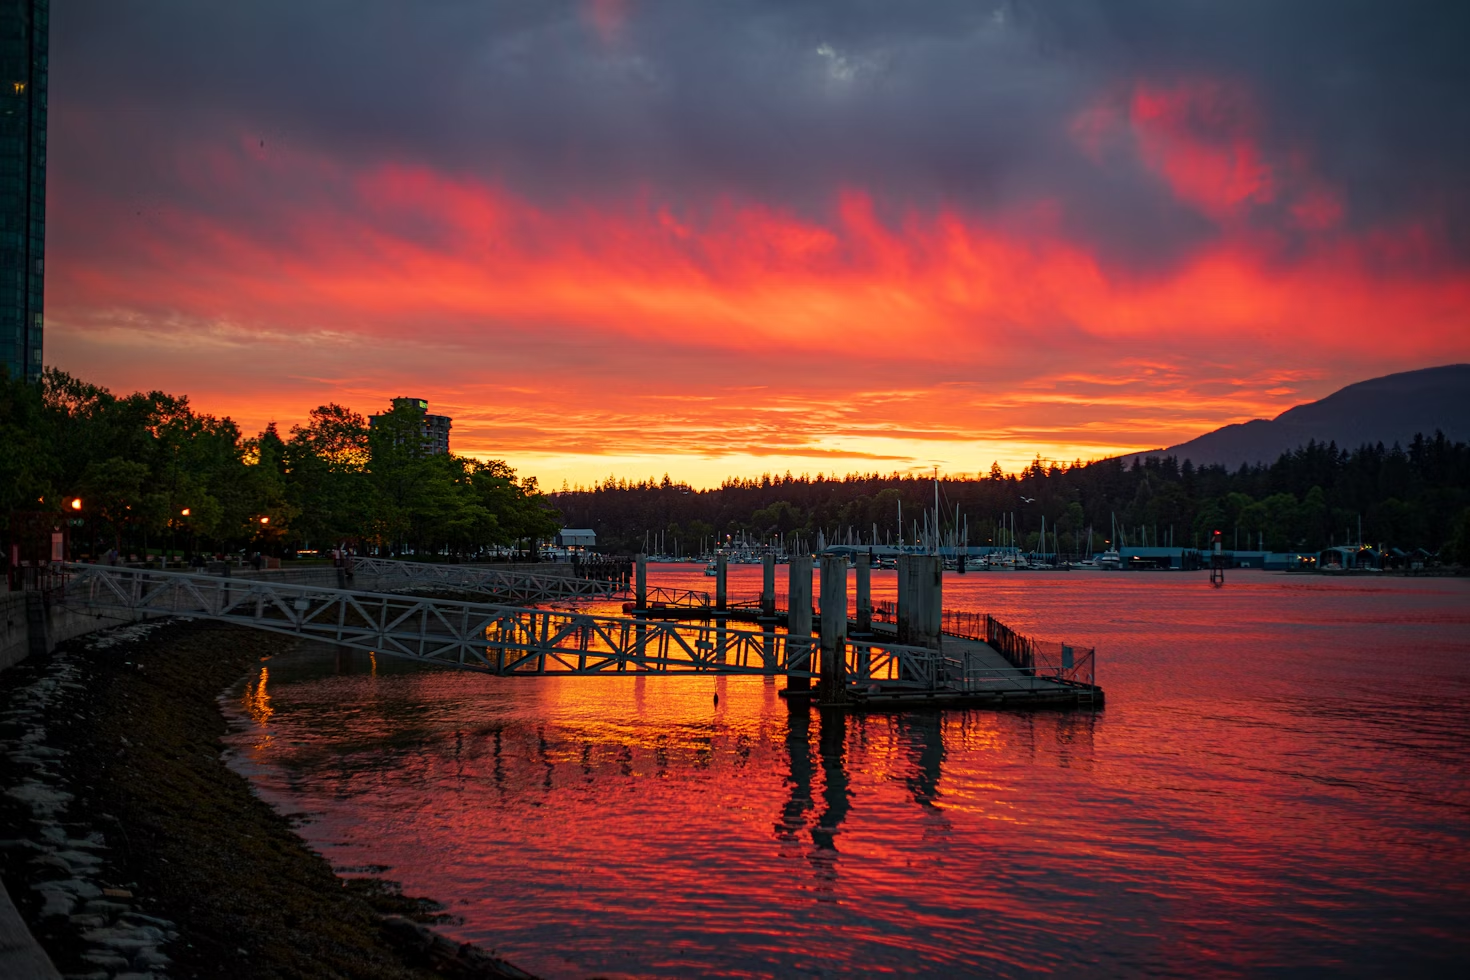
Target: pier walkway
<point>875,669</point>
<point>517,585</point>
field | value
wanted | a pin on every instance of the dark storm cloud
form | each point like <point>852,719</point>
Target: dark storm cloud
<point>968,104</point>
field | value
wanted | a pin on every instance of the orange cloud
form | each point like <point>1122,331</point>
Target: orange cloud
<point>737,336</point>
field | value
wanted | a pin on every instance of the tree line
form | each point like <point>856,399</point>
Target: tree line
<point>1317,496</point>
<point>147,471</point>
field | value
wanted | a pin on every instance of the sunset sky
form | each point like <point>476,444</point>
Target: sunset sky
<point>716,239</point>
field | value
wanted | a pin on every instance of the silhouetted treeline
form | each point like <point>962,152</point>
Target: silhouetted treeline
<point>1406,497</point>
<point>150,472</point>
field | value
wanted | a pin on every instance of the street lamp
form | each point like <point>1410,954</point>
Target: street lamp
<point>76,503</point>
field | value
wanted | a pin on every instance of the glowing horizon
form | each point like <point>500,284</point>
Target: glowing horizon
<point>1176,253</point>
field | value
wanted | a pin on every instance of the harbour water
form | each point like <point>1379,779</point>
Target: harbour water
<point>1277,783</point>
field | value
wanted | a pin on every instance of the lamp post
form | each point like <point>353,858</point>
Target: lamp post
<point>76,506</point>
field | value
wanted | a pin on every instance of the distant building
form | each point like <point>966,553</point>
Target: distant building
<point>576,538</point>
<point>435,428</point>
<point>1347,557</point>
<point>24,27</point>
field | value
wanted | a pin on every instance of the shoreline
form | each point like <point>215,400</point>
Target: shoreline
<point>131,847</point>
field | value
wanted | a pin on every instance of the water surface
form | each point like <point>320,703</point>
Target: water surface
<point>1278,783</point>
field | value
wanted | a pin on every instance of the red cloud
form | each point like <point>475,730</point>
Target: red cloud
<point>1205,140</point>
<point>399,276</point>
<point>1202,138</point>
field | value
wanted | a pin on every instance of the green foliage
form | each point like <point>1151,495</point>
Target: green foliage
<point>151,471</point>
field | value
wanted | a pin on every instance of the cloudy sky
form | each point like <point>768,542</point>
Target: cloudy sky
<point>723,238</point>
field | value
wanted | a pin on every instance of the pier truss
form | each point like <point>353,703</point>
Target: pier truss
<point>515,586</point>
<point>512,640</point>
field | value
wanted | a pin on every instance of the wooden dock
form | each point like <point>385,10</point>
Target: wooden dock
<point>983,678</point>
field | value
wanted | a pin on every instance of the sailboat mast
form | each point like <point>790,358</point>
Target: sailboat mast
<point>935,541</point>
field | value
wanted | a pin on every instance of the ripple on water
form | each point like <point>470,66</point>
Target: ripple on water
<point>1277,783</point>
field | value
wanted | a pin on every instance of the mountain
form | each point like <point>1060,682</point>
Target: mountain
<point>1389,409</point>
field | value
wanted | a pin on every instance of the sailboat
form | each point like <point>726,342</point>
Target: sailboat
<point>1111,558</point>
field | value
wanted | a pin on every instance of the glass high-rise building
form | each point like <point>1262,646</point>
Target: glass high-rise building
<point>24,26</point>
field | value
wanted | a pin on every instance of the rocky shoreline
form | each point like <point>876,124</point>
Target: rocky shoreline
<point>132,850</point>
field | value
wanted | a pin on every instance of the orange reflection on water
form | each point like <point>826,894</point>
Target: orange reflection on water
<point>257,699</point>
<point>1252,798</point>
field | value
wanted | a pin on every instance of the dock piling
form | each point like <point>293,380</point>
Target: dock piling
<point>833,661</point>
<point>640,581</point>
<point>768,587</point>
<point>920,600</point>
<point>722,576</point>
<point>799,622</point>
<point>864,594</point>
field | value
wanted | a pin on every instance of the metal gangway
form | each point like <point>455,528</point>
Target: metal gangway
<point>469,635</point>
<point>516,586</point>
<point>512,640</point>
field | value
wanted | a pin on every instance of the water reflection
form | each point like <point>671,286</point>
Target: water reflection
<point>799,754</point>
<point>1259,815</point>
<point>924,736</point>
<point>835,794</point>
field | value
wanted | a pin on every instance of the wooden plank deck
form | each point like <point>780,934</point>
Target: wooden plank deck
<point>996,683</point>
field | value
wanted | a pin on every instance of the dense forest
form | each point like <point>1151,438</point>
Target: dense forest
<point>146,471</point>
<point>1406,497</point>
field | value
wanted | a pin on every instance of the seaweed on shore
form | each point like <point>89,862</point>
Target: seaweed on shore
<point>247,896</point>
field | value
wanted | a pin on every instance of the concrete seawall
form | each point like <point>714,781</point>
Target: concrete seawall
<point>28,626</point>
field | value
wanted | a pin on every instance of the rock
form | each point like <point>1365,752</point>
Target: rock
<point>56,902</point>
<point>151,959</point>
<point>92,843</point>
<point>89,921</point>
<point>107,960</point>
<point>78,887</point>
<point>151,920</point>
<point>20,845</point>
<point>41,799</point>
<point>105,907</point>
<point>127,945</point>
<point>51,861</point>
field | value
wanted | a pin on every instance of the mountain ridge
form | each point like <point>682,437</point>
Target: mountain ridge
<point>1388,409</point>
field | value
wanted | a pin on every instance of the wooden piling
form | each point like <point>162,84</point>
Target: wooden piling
<point>864,594</point>
<point>768,587</point>
<point>832,663</point>
<point>920,600</point>
<point>722,576</point>
<point>799,622</point>
<point>640,592</point>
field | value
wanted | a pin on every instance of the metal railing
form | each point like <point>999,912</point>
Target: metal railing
<point>1035,657</point>
<point>660,597</point>
<point>474,636</point>
<point>505,639</point>
<point>512,585</point>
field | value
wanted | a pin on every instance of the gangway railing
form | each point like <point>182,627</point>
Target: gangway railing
<point>512,640</point>
<point>661,597</point>
<point>516,586</point>
<point>1040,658</point>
